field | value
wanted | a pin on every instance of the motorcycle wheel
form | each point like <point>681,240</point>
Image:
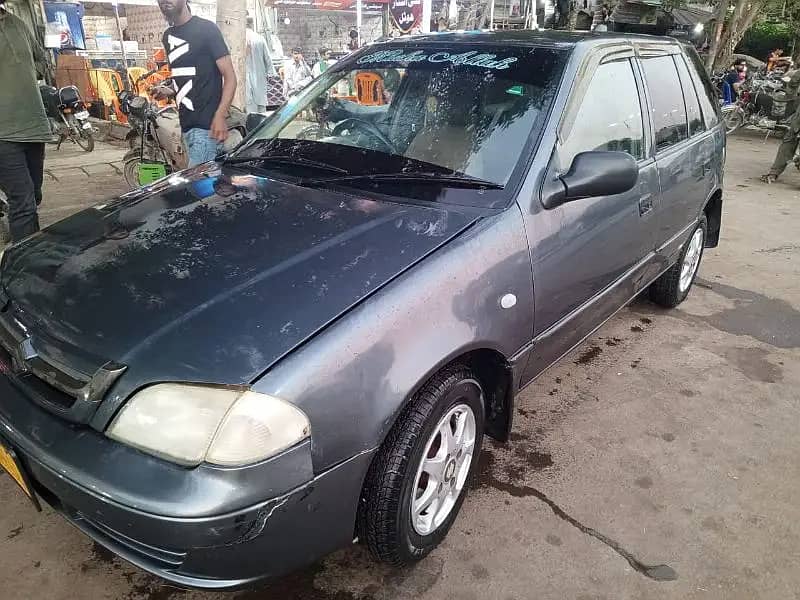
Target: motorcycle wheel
<point>733,119</point>
<point>85,140</point>
<point>131,171</point>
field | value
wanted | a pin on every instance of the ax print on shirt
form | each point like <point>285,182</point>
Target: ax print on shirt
<point>193,50</point>
<point>177,48</point>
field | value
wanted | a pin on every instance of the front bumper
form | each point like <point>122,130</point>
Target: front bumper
<point>179,529</point>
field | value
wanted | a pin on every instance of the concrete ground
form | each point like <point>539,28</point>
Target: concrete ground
<point>661,459</point>
<point>75,179</point>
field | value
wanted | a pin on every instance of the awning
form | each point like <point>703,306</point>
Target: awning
<point>688,17</point>
<point>371,5</point>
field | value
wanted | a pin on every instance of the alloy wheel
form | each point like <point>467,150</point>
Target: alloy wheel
<point>691,260</point>
<point>443,470</point>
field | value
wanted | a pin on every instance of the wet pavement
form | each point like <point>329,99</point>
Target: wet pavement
<point>659,460</point>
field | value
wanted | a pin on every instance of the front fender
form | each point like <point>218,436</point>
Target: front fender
<point>354,377</point>
<point>133,153</point>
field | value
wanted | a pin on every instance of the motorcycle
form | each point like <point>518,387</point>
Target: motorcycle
<point>156,140</point>
<point>763,103</point>
<point>68,117</point>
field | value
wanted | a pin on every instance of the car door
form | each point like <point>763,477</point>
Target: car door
<point>683,156</point>
<point>588,255</point>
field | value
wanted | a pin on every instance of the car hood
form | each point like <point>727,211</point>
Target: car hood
<point>212,278</point>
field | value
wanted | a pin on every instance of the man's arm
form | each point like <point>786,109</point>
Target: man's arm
<point>219,128</point>
<point>222,56</point>
<point>39,56</point>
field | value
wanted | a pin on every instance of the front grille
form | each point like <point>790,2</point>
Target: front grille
<point>71,393</point>
<point>44,392</point>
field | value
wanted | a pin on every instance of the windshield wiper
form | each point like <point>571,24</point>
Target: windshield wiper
<point>286,159</point>
<point>464,181</point>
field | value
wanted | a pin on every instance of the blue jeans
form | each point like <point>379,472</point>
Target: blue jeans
<point>199,146</point>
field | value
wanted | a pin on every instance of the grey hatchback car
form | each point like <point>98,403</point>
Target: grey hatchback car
<point>235,370</point>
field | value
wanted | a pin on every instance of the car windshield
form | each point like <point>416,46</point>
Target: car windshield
<point>463,113</point>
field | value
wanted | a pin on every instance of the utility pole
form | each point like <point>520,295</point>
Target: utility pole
<point>122,47</point>
<point>232,22</point>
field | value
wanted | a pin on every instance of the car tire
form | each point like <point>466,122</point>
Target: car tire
<point>398,477</point>
<point>673,286</point>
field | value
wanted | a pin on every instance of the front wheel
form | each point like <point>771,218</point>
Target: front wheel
<point>419,478</point>
<point>672,287</point>
<point>131,171</point>
<point>733,118</point>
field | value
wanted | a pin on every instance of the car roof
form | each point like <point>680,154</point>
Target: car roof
<point>527,37</point>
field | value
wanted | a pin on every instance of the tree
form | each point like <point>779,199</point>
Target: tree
<point>232,22</point>
<point>729,32</point>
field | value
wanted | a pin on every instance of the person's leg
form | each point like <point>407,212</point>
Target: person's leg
<point>200,147</point>
<point>785,154</point>
<point>19,188</point>
<point>34,153</point>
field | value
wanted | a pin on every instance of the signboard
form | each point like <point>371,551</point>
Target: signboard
<point>64,20</point>
<point>406,14</point>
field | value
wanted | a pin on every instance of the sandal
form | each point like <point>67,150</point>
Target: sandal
<point>769,178</point>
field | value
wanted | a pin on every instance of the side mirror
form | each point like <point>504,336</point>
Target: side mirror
<point>254,121</point>
<point>592,174</point>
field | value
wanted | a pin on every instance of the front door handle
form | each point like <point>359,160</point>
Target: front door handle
<point>645,204</point>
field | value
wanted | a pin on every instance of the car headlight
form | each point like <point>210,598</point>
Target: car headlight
<point>190,424</point>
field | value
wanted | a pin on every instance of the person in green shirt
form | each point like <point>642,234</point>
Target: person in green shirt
<point>24,127</point>
<point>323,63</point>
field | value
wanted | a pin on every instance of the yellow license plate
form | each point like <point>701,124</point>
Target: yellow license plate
<point>9,464</point>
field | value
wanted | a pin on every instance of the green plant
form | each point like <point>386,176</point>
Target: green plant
<point>763,37</point>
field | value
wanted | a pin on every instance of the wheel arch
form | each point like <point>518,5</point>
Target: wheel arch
<point>713,212</point>
<point>495,374</point>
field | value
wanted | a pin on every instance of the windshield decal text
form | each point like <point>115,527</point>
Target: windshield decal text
<point>472,58</point>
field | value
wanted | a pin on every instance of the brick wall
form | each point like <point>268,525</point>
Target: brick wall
<point>309,29</point>
<point>313,29</point>
<point>104,25</point>
<point>146,24</point>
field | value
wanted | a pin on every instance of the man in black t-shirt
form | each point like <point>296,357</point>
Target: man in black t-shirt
<point>204,81</point>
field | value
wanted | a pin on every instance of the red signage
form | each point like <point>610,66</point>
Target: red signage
<point>406,14</point>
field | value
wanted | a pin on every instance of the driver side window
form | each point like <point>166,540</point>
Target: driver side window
<point>610,115</point>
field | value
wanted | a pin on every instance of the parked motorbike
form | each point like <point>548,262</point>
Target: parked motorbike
<point>68,117</point>
<point>156,139</point>
<point>763,103</point>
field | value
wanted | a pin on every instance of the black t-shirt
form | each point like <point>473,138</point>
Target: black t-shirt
<point>193,50</point>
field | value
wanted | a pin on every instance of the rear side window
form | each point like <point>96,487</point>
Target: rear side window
<point>669,111</point>
<point>705,90</point>
<point>690,98</point>
<point>610,115</point>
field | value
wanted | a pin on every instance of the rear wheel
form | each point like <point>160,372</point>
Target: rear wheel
<point>85,140</point>
<point>672,287</point>
<point>81,136</point>
<point>417,482</point>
